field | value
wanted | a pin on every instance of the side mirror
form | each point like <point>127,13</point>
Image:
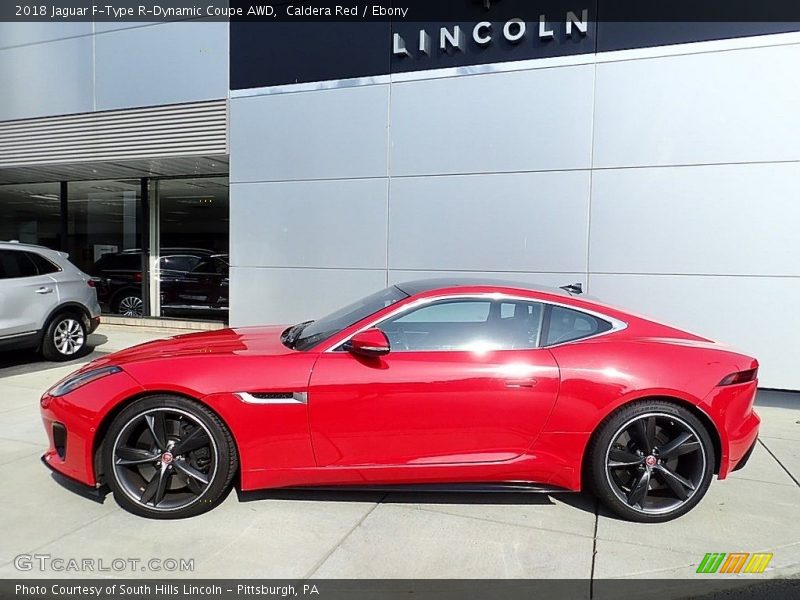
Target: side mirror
<point>370,342</point>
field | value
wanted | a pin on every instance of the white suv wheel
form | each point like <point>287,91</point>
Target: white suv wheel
<point>68,337</point>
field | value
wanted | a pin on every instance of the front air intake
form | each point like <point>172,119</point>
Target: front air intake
<point>60,440</point>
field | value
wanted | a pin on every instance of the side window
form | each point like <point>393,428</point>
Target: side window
<point>213,266</point>
<point>479,325</point>
<point>179,262</point>
<point>43,266</point>
<point>464,311</point>
<point>15,263</point>
<point>445,325</point>
<point>567,325</point>
<point>520,325</point>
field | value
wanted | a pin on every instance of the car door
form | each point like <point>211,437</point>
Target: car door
<point>464,383</point>
<point>26,297</point>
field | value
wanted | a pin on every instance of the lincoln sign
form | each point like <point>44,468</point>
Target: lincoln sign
<point>482,34</point>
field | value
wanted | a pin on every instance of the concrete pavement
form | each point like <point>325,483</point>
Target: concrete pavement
<point>293,534</point>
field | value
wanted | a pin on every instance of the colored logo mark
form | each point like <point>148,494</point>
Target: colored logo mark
<point>734,562</point>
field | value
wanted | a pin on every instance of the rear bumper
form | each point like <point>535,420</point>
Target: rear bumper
<point>731,409</point>
<point>743,461</point>
<point>740,447</point>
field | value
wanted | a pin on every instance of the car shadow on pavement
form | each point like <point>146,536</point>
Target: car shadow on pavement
<point>22,362</point>
<point>580,501</point>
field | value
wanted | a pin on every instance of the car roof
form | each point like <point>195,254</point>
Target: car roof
<point>169,251</point>
<point>419,286</point>
<point>30,247</point>
<point>18,245</point>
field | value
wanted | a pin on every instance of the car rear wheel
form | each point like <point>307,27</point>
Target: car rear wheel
<point>65,337</point>
<point>651,461</point>
<point>168,457</point>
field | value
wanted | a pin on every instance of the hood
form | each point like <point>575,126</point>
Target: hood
<point>252,341</point>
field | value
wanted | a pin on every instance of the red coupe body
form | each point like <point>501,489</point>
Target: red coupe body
<point>325,416</point>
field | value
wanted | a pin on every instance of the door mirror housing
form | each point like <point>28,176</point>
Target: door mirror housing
<point>370,342</point>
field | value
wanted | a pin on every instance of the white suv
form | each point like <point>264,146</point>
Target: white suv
<point>46,302</point>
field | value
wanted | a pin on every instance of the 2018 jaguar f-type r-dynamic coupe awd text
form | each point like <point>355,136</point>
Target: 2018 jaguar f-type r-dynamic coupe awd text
<point>428,385</point>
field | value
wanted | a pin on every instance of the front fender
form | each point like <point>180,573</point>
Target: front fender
<point>83,413</point>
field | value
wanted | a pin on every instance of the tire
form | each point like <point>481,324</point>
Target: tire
<point>167,457</point>
<point>129,304</point>
<point>658,485</point>
<point>65,337</point>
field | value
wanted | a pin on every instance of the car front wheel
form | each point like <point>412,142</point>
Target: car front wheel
<point>167,457</point>
<point>651,461</point>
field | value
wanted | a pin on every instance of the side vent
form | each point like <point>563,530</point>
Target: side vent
<point>273,397</point>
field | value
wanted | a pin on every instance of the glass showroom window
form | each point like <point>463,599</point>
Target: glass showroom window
<point>193,242</point>
<point>31,214</point>
<point>104,240</point>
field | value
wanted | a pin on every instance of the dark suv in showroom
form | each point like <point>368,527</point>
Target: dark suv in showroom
<point>193,281</point>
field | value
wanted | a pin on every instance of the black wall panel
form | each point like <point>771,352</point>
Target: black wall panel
<point>282,51</point>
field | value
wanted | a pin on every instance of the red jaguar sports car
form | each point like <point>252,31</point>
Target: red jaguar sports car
<point>426,385</point>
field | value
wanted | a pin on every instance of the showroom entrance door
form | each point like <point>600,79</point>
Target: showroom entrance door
<point>189,242</point>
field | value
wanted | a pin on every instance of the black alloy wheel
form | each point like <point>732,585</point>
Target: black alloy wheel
<point>168,457</point>
<point>651,461</point>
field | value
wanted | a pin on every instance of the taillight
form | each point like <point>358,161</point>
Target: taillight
<point>90,282</point>
<point>137,277</point>
<point>740,377</point>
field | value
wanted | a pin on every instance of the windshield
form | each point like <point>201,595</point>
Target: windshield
<point>306,335</point>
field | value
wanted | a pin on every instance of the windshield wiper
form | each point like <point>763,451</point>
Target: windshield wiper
<point>291,334</point>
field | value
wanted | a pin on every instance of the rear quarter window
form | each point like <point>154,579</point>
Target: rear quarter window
<point>566,325</point>
<point>43,265</point>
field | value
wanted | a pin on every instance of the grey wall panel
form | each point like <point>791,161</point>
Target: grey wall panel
<point>339,133</point>
<point>731,106</point>
<point>729,219</point>
<point>735,310</point>
<point>270,296</point>
<point>162,64</point>
<point>14,33</point>
<point>310,223</point>
<point>521,121</point>
<point>46,79</point>
<point>506,222</point>
<point>544,279</point>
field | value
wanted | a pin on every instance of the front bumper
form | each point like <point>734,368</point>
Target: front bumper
<point>74,421</point>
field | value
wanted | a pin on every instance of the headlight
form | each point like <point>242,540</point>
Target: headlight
<point>73,382</point>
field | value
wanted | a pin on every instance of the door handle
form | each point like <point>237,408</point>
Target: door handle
<point>521,383</point>
<point>44,290</point>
